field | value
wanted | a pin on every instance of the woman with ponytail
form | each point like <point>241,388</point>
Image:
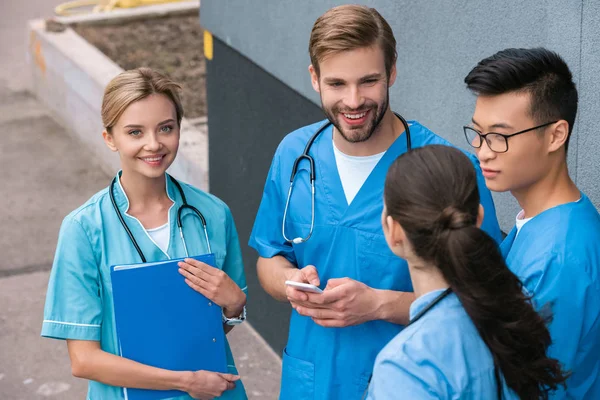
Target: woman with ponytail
<point>473,333</point>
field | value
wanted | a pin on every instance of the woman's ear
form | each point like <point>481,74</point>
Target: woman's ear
<point>109,140</point>
<point>396,233</point>
<point>480,215</point>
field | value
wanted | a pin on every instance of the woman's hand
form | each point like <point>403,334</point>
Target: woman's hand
<point>89,361</point>
<point>215,284</point>
<point>208,385</point>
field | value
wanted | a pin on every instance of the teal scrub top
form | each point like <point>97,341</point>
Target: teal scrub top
<point>557,257</point>
<point>347,241</point>
<point>79,302</point>
<point>440,356</point>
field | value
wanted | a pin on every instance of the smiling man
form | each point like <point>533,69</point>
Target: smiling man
<point>524,115</point>
<point>337,241</point>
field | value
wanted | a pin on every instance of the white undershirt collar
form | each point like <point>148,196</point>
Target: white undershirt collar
<point>354,170</point>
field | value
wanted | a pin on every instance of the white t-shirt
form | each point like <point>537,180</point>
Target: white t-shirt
<point>160,236</point>
<point>354,170</point>
<point>521,221</point>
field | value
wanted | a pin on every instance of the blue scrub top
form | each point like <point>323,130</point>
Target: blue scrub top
<point>347,241</point>
<point>557,257</point>
<point>79,303</point>
<point>440,356</point>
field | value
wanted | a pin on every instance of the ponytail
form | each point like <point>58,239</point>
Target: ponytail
<point>432,193</point>
<point>493,297</point>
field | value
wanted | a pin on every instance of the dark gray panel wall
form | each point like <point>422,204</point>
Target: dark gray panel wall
<point>249,113</point>
<point>438,43</point>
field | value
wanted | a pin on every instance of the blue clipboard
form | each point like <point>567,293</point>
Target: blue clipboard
<point>164,323</point>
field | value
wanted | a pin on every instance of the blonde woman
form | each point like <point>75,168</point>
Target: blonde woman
<point>141,113</point>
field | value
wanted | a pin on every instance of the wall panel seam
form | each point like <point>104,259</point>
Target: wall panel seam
<point>579,90</point>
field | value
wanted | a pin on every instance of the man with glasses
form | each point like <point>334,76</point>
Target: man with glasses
<point>524,115</point>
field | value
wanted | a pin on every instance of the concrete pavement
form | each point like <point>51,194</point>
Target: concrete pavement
<point>46,174</point>
<point>13,38</point>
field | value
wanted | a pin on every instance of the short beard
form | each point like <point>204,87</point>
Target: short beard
<point>332,116</point>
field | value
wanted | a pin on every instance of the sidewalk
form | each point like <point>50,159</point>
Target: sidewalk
<point>40,166</point>
<point>46,174</point>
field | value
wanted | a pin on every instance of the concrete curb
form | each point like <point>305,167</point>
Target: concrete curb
<point>69,76</point>
<point>119,15</point>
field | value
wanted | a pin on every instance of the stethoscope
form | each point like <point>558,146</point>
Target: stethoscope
<point>419,315</point>
<point>311,171</point>
<point>184,206</point>
<point>429,306</point>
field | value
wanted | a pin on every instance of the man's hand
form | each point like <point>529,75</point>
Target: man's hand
<point>344,302</point>
<point>307,274</point>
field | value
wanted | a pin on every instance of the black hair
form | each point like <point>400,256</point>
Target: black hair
<point>432,192</point>
<point>538,71</point>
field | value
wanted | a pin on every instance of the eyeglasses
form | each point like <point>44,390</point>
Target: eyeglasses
<point>497,142</point>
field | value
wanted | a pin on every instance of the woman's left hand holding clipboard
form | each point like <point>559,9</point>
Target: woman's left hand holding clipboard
<point>215,284</point>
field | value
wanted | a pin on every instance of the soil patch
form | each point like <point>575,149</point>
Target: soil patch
<point>173,45</point>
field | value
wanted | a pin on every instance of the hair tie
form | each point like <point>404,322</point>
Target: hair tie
<point>452,218</point>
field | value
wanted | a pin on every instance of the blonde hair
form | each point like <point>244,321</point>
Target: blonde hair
<point>350,27</point>
<point>133,85</point>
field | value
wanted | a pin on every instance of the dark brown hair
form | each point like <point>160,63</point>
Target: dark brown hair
<point>540,72</point>
<point>432,192</point>
<point>350,27</point>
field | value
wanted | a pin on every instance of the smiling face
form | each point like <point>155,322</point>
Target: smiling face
<point>146,135</point>
<point>354,90</point>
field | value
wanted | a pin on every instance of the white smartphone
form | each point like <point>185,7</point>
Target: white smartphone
<point>305,287</point>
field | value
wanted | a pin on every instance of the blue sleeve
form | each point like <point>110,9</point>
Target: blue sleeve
<point>490,220</point>
<point>393,379</point>
<point>267,237</point>
<point>234,264</point>
<point>73,307</point>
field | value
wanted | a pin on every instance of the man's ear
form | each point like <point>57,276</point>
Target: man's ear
<point>314,78</point>
<point>109,140</point>
<point>393,74</point>
<point>559,133</point>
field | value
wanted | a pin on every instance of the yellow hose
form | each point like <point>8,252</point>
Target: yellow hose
<point>69,8</point>
<point>65,8</point>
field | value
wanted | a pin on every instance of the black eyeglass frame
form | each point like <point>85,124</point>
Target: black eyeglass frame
<point>482,136</point>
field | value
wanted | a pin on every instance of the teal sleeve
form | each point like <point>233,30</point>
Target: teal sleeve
<point>73,307</point>
<point>234,264</point>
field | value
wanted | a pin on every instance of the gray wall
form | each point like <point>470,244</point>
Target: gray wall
<point>438,43</point>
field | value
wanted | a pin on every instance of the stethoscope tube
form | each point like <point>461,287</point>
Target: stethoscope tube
<point>184,206</point>
<point>131,238</point>
<point>311,161</point>
<point>438,298</point>
<point>196,211</point>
